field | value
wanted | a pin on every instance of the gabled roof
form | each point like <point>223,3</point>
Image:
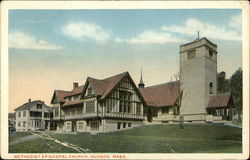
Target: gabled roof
<point>75,91</point>
<point>220,100</point>
<point>113,82</point>
<point>28,105</point>
<point>103,87</point>
<point>59,94</point>
<point>165,94</point>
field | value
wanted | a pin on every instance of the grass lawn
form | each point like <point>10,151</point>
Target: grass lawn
<point>150,139</point>
<point>17,135</point>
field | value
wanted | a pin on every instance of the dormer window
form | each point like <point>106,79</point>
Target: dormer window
<point>38,106</point>
<point>191,54</point>
<point>89,92</point>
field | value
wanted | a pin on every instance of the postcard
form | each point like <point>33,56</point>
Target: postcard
<point>125,80</point>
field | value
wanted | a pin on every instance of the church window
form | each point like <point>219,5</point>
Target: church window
<point>125,101</point>
<point>89,91</point>
<point>211,54</point>
<point>138,109</point>
<point>191,54</point>
<point>90,107</point>
<point>211,87</point>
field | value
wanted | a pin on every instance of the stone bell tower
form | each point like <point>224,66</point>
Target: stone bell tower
<point>198,70</point>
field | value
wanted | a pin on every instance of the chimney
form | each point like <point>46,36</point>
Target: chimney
<point>29,100</point>
<point>75,85</point>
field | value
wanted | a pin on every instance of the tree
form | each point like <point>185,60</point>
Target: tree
<point>223,84</point>
<point>236,88</point>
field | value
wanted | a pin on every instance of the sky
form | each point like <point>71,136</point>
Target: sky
<point>51,49</point>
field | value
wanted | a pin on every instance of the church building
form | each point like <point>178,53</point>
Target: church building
<point>116,103</point>
<point>194,96</point>
<point>109,104</point>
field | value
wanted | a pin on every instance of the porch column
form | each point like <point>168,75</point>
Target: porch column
<point>48,127</point>
<point>95,105</point>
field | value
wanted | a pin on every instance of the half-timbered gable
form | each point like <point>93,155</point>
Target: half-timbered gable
<point>103,105</point>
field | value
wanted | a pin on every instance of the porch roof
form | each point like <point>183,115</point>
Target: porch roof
<point>220,100</point>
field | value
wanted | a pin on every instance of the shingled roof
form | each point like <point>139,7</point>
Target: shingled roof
<point>75,91</point>
<point>161,95</point>
<point>28,105</point>
<point>69,103</point>
<point>104,87</point>
<point>220,100</point>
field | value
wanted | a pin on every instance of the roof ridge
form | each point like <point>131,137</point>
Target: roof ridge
<point>162,84</point>
<point>115,75</point>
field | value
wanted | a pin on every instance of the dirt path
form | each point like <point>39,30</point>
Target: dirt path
<point>23,139</point>
<point>66,144</point>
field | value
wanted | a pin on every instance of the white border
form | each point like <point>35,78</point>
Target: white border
<point>6,5</point>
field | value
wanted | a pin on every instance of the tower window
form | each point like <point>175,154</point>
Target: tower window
<point>191,54</point>
<point>211,87</point>
<point>211,54</point>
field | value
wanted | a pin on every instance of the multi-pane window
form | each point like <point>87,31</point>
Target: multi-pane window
<point>125,102</point>
<point>68,126</point>
<point>191,54</point>
<point>138,109</point>
<point>94,126</point>
<point>19,124</point>
<point>89,92</point>
<point>79,110</point>
<point>19,114</point>
<point>36,124</point>
<point>38,106</point>
<point>35,114</point>
<point>46,114</point>
<point>80,125</point>
<point>90,107</point>
<point>24,123</point>
<point>56,111</point>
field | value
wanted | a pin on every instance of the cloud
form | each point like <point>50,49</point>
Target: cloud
<point>192,25</point>
<point>235,22</point>
<point>151,37</point>
<point>22,40</point>
<point>83,30</point>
